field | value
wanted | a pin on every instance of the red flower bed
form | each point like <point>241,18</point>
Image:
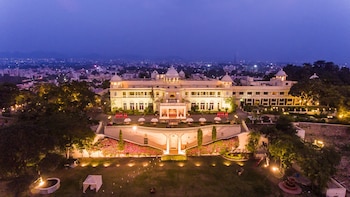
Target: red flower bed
<point>109,147</point>
<point>215,147</point>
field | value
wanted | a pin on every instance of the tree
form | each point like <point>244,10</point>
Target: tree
<point>22,145</point>
<point>308,90</point>
<point>283,149</point>
<point>284,124</point>
<point>199,137</point>
<point>8,93</point>
<point>121,141</point>
<point>213,133</point>
<point>253,141</point>
<point>232,102</point>
<point>318,164</point>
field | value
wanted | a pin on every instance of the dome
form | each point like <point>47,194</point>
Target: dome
<point>281,73</point>
<point>227,78</point>
<point>314,76</point>
<point>116,78</point>
<point>172,73</point>
<point>154,74</point>
<point>182,74</point>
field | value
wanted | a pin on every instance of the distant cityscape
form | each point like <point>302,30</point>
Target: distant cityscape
<point>28,71</point>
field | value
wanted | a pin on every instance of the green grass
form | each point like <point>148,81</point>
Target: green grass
<point>174,158</point>
<point>198,176</point>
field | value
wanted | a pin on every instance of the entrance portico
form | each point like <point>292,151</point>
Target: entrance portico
<point>172,111</point>
<point>173,144</point>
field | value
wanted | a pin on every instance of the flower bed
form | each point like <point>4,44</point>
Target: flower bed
<point>109,148</point>
<point>218,147</point>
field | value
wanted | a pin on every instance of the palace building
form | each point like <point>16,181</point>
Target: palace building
<point>172,95</point>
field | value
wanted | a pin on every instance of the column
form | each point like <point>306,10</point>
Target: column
<point>167,145</point>
<point>179,144</point>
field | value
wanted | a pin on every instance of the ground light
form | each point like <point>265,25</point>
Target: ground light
<point>95,164</point>
<point>131,164</point>
<point>41,182</point>
<point>106,164</point>
<point>274,169</point>
<point>181,165</point>
<point>83,164</point>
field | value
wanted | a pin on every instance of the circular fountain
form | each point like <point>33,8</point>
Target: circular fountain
<point>46,187</point>
<point>289,186</point>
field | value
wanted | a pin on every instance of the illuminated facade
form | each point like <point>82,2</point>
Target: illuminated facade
<point>172,95</point>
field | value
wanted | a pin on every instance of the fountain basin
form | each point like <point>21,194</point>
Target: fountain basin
<point>48,187</point>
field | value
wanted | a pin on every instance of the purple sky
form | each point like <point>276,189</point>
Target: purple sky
<point>265,30</point>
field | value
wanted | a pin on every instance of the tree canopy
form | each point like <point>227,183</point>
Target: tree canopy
<point>318,164</point>
<point>53,119</point>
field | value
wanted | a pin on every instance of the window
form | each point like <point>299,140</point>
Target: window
<point>115,93</point>
<point>131,93</point>
<point>202,106</point>
<point>233,93</point>
<point>193,93</point>
<point>281,93</point>
<point>241,93</point>
<point>132,106</point>
<point>211,105</point>
<point>124,106</point>
<point>186,93</point>
<point>266,93</point>
<point>219,93</point>
<point>141,106</point>
<point>249,93</point>
<point>124,94</point>
<point>257,93</point>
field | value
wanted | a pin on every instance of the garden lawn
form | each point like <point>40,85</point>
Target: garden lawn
<point>198,176</point>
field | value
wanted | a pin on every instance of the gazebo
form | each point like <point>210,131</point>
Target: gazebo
<point>202,120</point>
<point>92,181</point>
<point>217,119</point>
<point>141,120</point>
<point>154,120</point>
<point>127,120</point>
